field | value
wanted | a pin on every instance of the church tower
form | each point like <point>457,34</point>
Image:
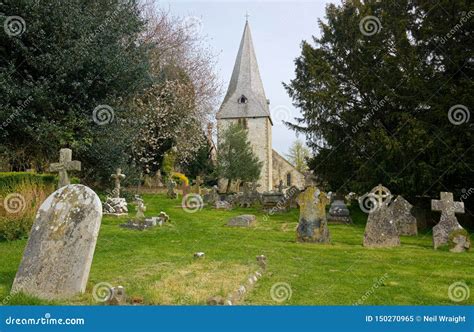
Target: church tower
<point>246,103</point>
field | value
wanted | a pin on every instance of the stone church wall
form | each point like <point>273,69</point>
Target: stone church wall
<point>283,170</point>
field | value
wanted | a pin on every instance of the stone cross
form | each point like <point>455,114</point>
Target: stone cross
<point>118,176</point>
<point>141,208</point>
<point>65,164</point>
<point>448,221</point>
<point>198,181</point>
<point>447,206</point>
<point>381,194</point>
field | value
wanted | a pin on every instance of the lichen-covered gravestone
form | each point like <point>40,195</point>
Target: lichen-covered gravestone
<point>312,225</point>
<point>58,256</point>
<point>404,220</point>
<point>448,221</point>
<point>381,230</point>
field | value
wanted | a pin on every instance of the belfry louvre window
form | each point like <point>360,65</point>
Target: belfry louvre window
<point>243,100</point>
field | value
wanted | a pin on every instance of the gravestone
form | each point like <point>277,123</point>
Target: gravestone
<point>312,226</point>
<point>212,197</point>
<point>256,197</point>
<point>280,187</point>
<point>448,221</point>
<point>116,205</point>
<point>381,230</point>
<point>245,220</point>
<point>245,200</point>
<point>338,212</point>
<point>141,208</point>
<point>65,164</point>
<point>222,205</point>
<point>171,185</point>
<point>274,202</point>
<point>118,177</point>
<point>459,241</point>
<point>59,252</point>
<point>196,188</point>
<point>291,196</point>
<point>404,220</point>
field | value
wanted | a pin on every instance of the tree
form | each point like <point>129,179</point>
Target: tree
<point>71,61</point>
<point>298,155</point>
<point>235,158</point>
<point>378,92</point>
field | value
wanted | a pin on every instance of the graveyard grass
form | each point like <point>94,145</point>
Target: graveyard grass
<point>157,266</point>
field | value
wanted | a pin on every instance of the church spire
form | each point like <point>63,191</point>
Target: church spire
<point>245,95</point>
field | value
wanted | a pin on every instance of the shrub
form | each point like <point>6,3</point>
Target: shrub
<point>20,196</point>
<point>180,177</point>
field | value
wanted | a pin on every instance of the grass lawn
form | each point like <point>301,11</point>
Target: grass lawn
<point>157,266</point>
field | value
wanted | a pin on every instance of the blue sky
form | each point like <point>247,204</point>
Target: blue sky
<point>278,27</point>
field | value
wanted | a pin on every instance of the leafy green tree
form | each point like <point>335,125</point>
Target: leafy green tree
<point>298,155</point>
<point>235,157</point>
<point>70,59</point>
<point>375,92</point>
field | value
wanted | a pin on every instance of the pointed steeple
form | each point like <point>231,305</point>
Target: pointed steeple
<point>245,95</point>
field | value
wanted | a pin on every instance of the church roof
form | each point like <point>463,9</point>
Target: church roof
<point>245,82</point>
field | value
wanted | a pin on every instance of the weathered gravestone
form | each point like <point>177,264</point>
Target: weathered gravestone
<point>274,202</point>
<point>58,256</point>
<point>448,221</point>
<point>312,225</point>
<point>196,187</point>
<point>65,164</point>
<point>404,220</point>
<point>381,230</point>
<point>245,200</point>
<point>212,196</point>
<point>116,205</point>
<point>338,212</point>
<point>171,185</point>
<point>245,220</point>
<point>222,205</point>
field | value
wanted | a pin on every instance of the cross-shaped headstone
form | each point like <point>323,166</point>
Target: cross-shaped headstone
<point>118,176</point>
<point>447,206</point>
<point>381,194</point>
<point>198,181</point>
<point>65,164</point>
<point>447,222</point>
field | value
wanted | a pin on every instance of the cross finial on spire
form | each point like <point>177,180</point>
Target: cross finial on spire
<point>247,16</point>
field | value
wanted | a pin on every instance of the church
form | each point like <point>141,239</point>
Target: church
<point>246,103</point>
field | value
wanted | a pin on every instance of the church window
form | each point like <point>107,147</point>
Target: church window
<point>243,100</point>
<point>288,179</point>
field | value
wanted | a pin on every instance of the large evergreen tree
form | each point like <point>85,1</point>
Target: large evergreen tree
<point>378,93</point>
<point>235,158</point>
